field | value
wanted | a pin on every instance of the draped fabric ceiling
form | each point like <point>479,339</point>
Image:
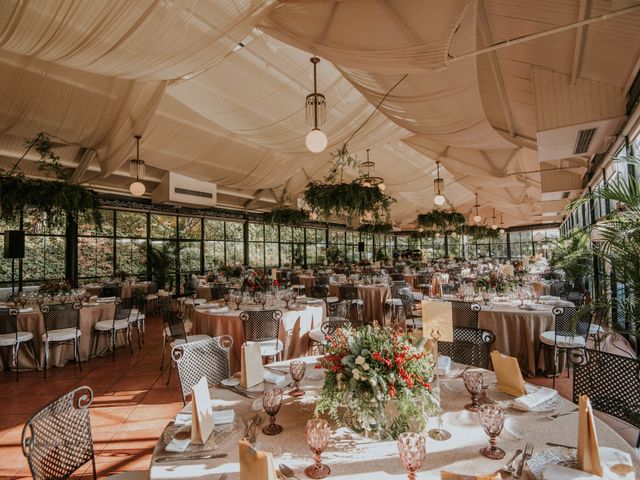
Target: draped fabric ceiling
<point>216,89</point>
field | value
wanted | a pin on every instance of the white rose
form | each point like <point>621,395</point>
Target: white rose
<point>365,366</point>
<point>340,378</point>
<point>356,373</point>
<point>359,360</point>
<point>373,381</point>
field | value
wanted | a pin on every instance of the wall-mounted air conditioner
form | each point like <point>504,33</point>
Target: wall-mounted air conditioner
<point>183,190</point>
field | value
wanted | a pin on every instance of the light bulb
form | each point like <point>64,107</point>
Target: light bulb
<point>137,189</point>
<point>477,219</point>
<point>382,187</point>
<point>421,229</point>
<point>494,227</point>
<point>454,234</point>
<point>313,216</point>
<point>316,140</point>
<point>437,234</point>
<point>502,230</point>
<point>439,199</point>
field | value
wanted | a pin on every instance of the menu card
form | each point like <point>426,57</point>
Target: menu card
<point>255,464</point>
<point>508,374</point>
<point>202,413</point>
<point>588,454</point>
<point>252,371</point>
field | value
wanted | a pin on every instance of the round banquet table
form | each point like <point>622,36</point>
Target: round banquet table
<point>309,281</point>
<point>410,279</point>
<point>294,328</point>
<point>203,291</point>
<point>350,456</point>
<point>373,299</point>
<point>32,320</point>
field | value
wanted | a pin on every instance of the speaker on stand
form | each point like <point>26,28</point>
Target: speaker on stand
<point>13,248</point>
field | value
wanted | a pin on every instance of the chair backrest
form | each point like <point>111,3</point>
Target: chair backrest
<point>572,321</point>
<point>219,290</point>
<point>322,279</point>
<point>153,287</point>
<point>261,325</point>
<point>294,279</point>
<point>348,292</point>
<point>408,303</point>
<point>111,290</point>
<point>174,324</point>
<point>396,286</point>
<point>123,308</point>
<point>57,439</point>
<point>465,314</point>
<point>9,321</point>
<point>320,291</point>
<point>61,315</point>
<point>164,302</point>
<point>329,327</point>
<point>205,358</point>
<point>339,310</point>
<point>612,383</point>
<point>577,298</point>
<point>140,302</point>
<point>470,346</point>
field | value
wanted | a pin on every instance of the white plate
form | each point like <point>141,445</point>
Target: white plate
<point>231,382</point>
<point>548,406</point>
<point>558,455</point>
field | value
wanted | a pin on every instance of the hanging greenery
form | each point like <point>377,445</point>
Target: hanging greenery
<point>50,198</point>
<point>286,216</point>
<point>479,231</point>
<point>441,220</point>
<point>351,199</point>
<point>376,228</point>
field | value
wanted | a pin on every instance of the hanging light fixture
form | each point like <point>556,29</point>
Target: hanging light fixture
<point>368,180</point>
<point>494,225</point>
<point>501,225</point>
<point>316,112</point>
<point>477,218</point>
<point>438,189</point>
<point>137,188</point>
<point>454,234</point>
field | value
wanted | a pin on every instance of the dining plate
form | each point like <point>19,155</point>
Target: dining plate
<point>548,406</point>
<point>230,382</point>
<point>558,455</point>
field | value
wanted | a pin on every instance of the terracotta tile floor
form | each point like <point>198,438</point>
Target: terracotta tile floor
<point>132,405</point>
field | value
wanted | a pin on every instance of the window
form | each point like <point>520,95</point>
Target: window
<point>234,243</point>
<point>44,249</point>
<point>95,246</point>
<point>190,233</point>
<point>213,244</point>
<point>256,245</point>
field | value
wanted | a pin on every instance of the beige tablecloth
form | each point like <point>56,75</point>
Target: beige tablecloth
<point>126,289</point>
<point>204,291</point>
<point>309,281</point>
<point>353,457</point>
<point>373,299</point>
<point>294,329</point>
<point>60,354</point>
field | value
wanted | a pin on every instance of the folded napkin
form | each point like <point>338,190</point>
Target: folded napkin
<point>180,440</point>
<point>272,377</point>
<point>617,465</point>
<point>508,374</point>
<point>220,417</point>
<point>25,310</point>
<point>106,299</point>
<point>536,397</point>
<point>219,310</point>
<point>255,464</point>
<point>533,306</point>
<point>444,365</point>
<point>564,303</point>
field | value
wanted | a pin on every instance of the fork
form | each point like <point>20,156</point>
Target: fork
<point>556,415</point>
<point>528,451</point>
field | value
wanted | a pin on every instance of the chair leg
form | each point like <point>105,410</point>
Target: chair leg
<point>138,328</point>
<point>170,368</point>
<point>46,358</point>
<point>535,367</point>
<point>164,346</point>
<point>112,341</point>
<point>16,350</point>
<point>32,348</point>
<point>128,332</point>
<point>555,366</point>
<point>77,345</point>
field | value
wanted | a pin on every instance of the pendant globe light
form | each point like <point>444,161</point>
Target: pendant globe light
<point>137,188</point>
<point>501,225</point>
<point>316,113</point>
<point>438,189</point>
<point>494,225</point>
<point>477,218</point>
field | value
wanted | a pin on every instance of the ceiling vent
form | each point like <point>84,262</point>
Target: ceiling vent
<point>183,190</point>
<point>584,140</point>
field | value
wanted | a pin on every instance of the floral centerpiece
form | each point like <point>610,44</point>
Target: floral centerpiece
<point>493,281</point>
<point>55,287</point>
<point>379,380</point>
<point>256,281</point>
<point>231,271</point>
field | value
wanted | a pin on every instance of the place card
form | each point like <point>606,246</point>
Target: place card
<point>251,369</point>
<point>508,374</point>
<point>588,455</point>
<point>202,423</point>
<point>255,464</point>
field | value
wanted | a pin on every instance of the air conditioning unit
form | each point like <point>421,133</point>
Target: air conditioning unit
<point>182,190</point>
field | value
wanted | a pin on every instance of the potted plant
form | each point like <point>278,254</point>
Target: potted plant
<point>573,256</point>
<point>161,259</point>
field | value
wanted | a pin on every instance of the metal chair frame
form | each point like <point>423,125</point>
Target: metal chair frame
<point>54,321</point>
<point>408,304</point>
<point>122,312</point>
<point>9,325</point>
<point>470,346</point>
<point>465,314</point>
<point>261,325</point>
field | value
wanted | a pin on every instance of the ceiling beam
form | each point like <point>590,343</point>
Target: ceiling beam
<point>254,201</point>
<point>581,32</point>
<point>393,15</point>
<point>84,157</point>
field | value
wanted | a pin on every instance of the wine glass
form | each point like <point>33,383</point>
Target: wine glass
<point>317,432</point>
<point>492,420</point>
<point>297,368</point>
<point>412,450</point>
<point>258,297</point>
<point>227,297</point>
<point>287,298</point>
<point>271,402</point>
<point>473,384</point>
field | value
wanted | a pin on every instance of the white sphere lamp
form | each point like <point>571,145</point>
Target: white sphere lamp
<point>439,199</point>
<point>137,188</point>
<point>316,140</point>
<point>382,187</point>
<point>477,219</point>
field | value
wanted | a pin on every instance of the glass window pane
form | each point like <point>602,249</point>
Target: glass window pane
<point>285,234</point>
<point>131,256</point>
<point>234,231</point>
<point>163,226</point>
<point>213,254</point>
<point>286,254</point>
<point>271,254</point>
<point>298,234</point>
<point>95,257</point>
<point>235,253</point>
<point>256,232</point>
<point>256,254</point>
<point>271,233</point>
<point>131,224</point>
<point>213,229</point>
<point>189,257</point>
<point>189,228</point>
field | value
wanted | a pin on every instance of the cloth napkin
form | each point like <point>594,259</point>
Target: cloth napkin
<point>26,310</point>
<point>106,299</point>
<point>219,310</point>
<point>536,397</point>
<point>220,417</point>
<point>617,465</point>
<point>179,446</point>
<point>272,377</point>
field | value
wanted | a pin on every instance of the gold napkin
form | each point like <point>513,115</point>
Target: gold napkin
<point>437,320</point>
<point>455,476</point>
<point>508,374</point>
<point>252,371</point>
<point>588,454</point>
<point>202,414</point>
<point>254,464</point>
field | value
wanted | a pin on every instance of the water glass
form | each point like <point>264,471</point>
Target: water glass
<point>412,450</point>
<point>271,402</point>
<point>473,383</point>
<point>492,421</point>
<point>297,368</point>
<point>317,432</point>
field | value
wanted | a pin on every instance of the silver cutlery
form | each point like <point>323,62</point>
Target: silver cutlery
<point>551,444</point>
<point>556,415</point>
<point>287,472</point>
<point>528,451</point>
<point>235,390</point>
<point>509,466</point>
<point>190,457</point>
<point>222,477</point>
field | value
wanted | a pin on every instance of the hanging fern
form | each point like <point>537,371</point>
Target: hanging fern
<point>350,199</point>
<point>286,216</point>
<point>376,228</point>
<point>441,220</point>
<point>479,231</point>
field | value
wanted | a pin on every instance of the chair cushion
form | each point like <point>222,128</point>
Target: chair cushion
<point>316,335</point>
<point>333,299</point>
<point>190,338</point>
<point>563,341</point>
<point>270,348</point>
<point>8,339</point>
<point>393,301</point>
<point>61,334</point>
<point>106,325</point>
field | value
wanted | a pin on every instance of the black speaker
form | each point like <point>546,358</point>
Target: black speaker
<point>14,244</point>
<point>360,247</point>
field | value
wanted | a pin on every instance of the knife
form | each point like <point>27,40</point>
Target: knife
<point>551,444</point>
<point>235,390</point>
<point>191,457</point>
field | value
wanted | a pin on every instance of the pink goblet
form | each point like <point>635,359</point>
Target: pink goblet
<point>473,384</point>
<point>297,368</point>
<point>317,432</point>
<point>271,402</point>
<point>492,420</point>
<point>412,450</point>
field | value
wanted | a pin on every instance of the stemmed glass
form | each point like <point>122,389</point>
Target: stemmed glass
<point>287,298</point>
<point>317,432</point>
<point>237,299</point>
<point>297,368</point>
<point>492,420</point>
<point>227,297</point>
<point>262,299</point>
<point>271,402</point>
<point>473,384</point>
<point>412,450</point>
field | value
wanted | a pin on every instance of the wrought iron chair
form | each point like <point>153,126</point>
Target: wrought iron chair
<point>136,319</point>
<point>152,297</point>
<point>121,322</point>
<point>111,290</point>
<point>57,440</point>
<point>349,293</point>
<point>205,358</point>
<point>423,283</point>
<point>322,291</point>
<point>612,383</point>
<point>395,303</point>
<point>263,327</point>
<point>411,319</point>
<point>569,336</point>
<point>11,337</point>
<point>177,334</point>
<point>465,314</point>
<point>61,326</point>
<point>338,317</point>
<point>470,346</point>
<point>294,283</point>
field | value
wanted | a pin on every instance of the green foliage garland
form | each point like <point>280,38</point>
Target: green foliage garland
<point>441,220</point>
<point>350,199</point>
<point>286,216</point>
<point>376,228</point>
<point>479,231</point>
